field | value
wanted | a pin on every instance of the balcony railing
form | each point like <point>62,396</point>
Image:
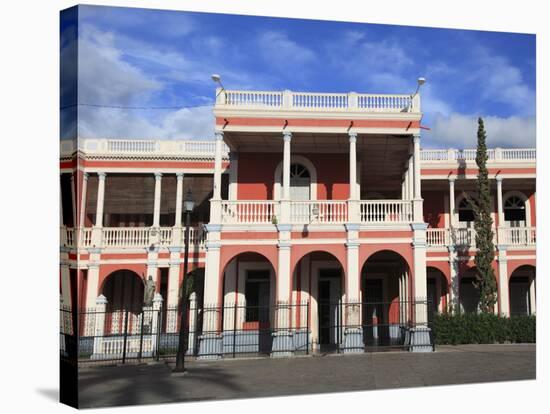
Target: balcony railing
<point>315,211</point>
<point>386,211</point>
<point>131,237</point>
<point>466,237</point>
<point>517,236</point>
<point>314,101</point>
<point>494,154</point>
<point>144,147</point>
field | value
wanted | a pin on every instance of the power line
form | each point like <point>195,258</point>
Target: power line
<point>135,107</point>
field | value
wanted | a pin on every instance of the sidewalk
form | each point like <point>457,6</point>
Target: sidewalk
<point>225,379</point>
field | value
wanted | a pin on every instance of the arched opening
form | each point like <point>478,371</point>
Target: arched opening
<point>248,314</point>
<point>318,283</point>
<point>124,292</point>
<point>386,299</point>
<point>522,291</point>
<point>437,290</point>
<point>468,292</point>
<point>466,215</point>
<point>515,211</point>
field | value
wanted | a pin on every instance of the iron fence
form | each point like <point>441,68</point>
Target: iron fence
<point>241,330</point>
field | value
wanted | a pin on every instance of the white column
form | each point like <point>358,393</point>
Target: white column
<point>532,295</point>
<point>283,272</point>
<point>503,288</point>
<point>156,206</point>
<point>93,282</point>
<point>499,202</point>
<point>452,201</point>
<point>172,296</point>
<point>83,200</point>
<point>66,283</point>
<point>287,137</point>
<point>217,194</point>
<point>100,200</point>
<point>99,315</point>
<point>410,179</point>
<point>353,282</point>
<point>233,174</point>
<point>416,161</point>
<point>179,199</point>
<point>353,165</point>
<point>420,283</point>
<point>73,200</point>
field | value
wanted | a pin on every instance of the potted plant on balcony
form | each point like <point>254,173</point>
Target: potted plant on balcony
<point>274,220</point>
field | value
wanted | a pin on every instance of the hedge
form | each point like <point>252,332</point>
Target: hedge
<point>471,328</point>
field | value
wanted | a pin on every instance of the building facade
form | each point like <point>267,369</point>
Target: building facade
<point>317,218</point>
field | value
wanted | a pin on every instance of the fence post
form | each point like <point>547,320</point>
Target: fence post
<point>99,326</point>
<point>125,338</point>
<point>307,328</point>
<point>192,323</point>
<point>155,325</point>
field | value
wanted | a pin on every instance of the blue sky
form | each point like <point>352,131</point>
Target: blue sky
<point>152,58</point>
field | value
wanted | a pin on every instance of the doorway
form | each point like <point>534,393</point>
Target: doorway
<point>329,309</point>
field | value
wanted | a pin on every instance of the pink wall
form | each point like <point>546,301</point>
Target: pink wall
<point>434,208</point>
<point>256,175</point>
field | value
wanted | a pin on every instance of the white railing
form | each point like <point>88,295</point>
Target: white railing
<point>493,154</point>
<point>165,236</point>
<point>315,101</point>
<point>253,99</point>
<point>125,236</point>
<point>437,237</point>
<point>141,147</point>
<point>254,212</point>
<point>318,211</point>
<point>385,103</point>
<point>466,237</point>
<point>517,236</point>
<point>85,237</point>
<point>463,237</point>
<point>386,211</point>
<point>197,236</point>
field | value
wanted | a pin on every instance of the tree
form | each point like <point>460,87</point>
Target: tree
<point>485,275</point>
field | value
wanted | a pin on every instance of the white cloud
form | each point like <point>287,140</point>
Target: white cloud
<point>281,51</point>
<point>186,123</point>
<point>460,131</point>
<point>104,77</point>
<point>500,81</point>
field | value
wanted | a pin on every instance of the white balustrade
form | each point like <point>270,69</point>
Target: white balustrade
<point>318,211</point>
<point>437,237</point>
<point>254,212</point>
<point>165,236</point>
<point>514,236</point>
<point>314,101</point>
<point>85,237</point>
<point>125,236</point>
<point>386,211</point>
<point>493,154</point>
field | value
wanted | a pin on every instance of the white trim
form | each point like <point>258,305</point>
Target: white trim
<point>296,159</point>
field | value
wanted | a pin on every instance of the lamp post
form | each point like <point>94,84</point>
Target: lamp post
<point>188,205</point>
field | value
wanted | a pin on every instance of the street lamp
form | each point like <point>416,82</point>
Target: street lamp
<point>188,205</point>
<point>419,82</point>
<point>218,79</point>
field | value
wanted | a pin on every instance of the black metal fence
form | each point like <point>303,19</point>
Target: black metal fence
<point>239,330</point>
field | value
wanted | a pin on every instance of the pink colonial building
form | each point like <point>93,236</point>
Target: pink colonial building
<point>319,223</point>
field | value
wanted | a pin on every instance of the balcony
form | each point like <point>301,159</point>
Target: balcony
<point>131,237</point>
<point>494,155</point>
<point>466,237</point>
<point>316,102</point>
<point>316,211</point>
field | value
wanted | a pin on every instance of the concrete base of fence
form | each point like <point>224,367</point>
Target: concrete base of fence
<point>283,344</point>
<point>353,341</point>
<point>210,346</point>
<point>419,339</point>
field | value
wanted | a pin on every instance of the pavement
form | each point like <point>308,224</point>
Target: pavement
<point>103,386</point>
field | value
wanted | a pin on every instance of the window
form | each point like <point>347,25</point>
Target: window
<point>465,211</point>
<point>514,210</point>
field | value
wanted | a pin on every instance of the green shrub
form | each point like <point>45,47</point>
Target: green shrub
<point>471,328</point>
